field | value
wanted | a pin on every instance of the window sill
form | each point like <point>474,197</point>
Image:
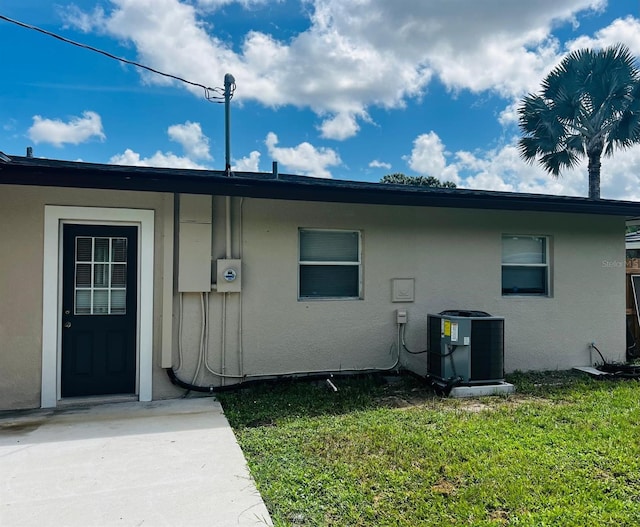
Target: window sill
<point>524,295</point>
<point>328,298</point>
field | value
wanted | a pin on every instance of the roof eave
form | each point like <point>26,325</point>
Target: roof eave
<point>31,171</point>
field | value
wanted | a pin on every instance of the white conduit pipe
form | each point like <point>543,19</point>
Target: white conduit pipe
<point>224,335</point>
<point>224,298</point>
<point>206,356</point>
<point>228,226</point>
<point>179,334</point>
<point>205,349</point>
<point>240,336</point>
<point>202,331</point>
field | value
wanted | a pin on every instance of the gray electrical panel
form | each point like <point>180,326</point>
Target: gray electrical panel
<point>194,244</point>
<point>466,345</point>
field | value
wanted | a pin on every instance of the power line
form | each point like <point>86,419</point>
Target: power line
<point>211,94</point>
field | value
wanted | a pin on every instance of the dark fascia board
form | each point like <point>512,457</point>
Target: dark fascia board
<point>47,172</point>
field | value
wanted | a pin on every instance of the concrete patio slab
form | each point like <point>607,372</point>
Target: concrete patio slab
<point>163,463</point>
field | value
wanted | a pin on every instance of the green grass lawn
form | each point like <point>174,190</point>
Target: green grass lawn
<point>563,451</point>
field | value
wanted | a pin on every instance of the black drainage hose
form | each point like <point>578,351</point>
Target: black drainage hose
<point>247,383</point>
<point>202,389</point>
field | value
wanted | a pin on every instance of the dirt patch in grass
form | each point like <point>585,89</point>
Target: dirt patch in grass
<point>473,405</point>
<point>444,487</point>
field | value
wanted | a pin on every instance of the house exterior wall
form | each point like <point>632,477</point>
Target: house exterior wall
<point>454,256</point>
<point>21,272</point>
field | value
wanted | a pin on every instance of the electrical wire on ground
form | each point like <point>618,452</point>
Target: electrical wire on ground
<point>211,94</point>
<point>615,369</point>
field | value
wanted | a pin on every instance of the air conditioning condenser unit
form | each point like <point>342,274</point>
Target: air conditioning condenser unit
<point>467,346</point>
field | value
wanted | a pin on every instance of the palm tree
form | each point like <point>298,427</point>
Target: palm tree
<point>589,105</point>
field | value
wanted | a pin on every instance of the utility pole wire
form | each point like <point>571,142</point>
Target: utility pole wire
<point>211,94</point>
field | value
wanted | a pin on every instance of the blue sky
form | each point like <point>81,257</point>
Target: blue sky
<point>349,89</point>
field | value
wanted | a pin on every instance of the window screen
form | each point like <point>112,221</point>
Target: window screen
<point>525,265</point>
<point>329,264</point>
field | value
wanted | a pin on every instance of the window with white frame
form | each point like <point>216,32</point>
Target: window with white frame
<point>329,264</point>
<point>525,265</point>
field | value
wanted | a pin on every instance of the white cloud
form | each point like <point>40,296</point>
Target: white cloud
<point>354,54</point>
<point>428,158</point>
<point>503,169</point>
<point>247,164</point>
<point>217,4</point>
<point>509,116</point>
<point>10,125</point>
<point>623,30</point>
<point>379,164</point>
<point>620,177</point>
<point>304,158</point>
<point>341,126</point>
<point>193,141</point>
<point>57,132</point>
<point>82,20</point>
<point>159,159</point>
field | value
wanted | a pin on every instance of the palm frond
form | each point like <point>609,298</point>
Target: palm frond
<point>528,148</point>
<point>624,133</point>
<point>575,143</point>
<point>537,119</point>
<point>555,162</point>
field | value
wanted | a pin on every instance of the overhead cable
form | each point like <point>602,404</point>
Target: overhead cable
<point>211,94</point>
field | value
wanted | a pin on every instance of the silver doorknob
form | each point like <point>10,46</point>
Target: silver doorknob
<point>67,324</point>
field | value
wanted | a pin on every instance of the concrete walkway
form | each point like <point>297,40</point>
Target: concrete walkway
<point>164,463</point>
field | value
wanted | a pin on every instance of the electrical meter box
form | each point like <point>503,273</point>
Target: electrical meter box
<point>228,276</point>
<point>466,345</point>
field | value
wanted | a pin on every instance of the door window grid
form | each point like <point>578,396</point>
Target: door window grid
<point>100,275</point>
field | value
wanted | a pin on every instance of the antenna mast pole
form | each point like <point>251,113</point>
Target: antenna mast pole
<point>229,83</point>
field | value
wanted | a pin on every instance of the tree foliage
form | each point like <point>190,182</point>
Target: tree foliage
<point>589,105</point>
<point>416,181</point>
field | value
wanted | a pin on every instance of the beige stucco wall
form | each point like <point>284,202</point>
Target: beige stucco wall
<point>21,239</point>
<point>453,255</point>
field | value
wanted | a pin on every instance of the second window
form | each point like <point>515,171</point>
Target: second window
<point>329,264</point>
<point>525,265</point>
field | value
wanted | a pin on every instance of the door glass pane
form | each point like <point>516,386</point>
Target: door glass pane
<point>101,275</point>
<point>118,275</point>
<point>100,284</point>
<point>119,250</point>
<point>101,250</point>
<point>83,275</point>
<point>83,302</point>
<point>84,249</point>
<point>118,301</point>
<point>100,302</point>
